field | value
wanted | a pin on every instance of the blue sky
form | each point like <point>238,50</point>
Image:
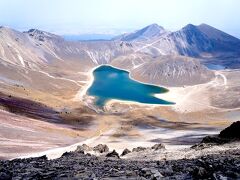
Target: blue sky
<point>118,16</point>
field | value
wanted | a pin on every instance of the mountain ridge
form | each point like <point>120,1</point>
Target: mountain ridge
<point>36,49</point>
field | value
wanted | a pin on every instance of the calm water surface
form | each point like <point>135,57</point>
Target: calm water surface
<point>111,83</point>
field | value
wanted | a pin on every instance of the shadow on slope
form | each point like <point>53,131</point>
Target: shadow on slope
<point>39,111</point>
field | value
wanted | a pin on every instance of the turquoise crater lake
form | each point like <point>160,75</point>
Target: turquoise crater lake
<point>111,83</point>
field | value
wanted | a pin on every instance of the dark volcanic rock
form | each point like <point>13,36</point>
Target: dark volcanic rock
<point>151,173</point>
<point>158,146</point>
<point>202,145</point>
<point>213,140</point>
<point>5,176</point>
<point>69,153</point>
<point>113,154</point>
<point>84,148</point>
<point>75,165</point>
<point>231,132</point>
<point>101,148</point>
<point>200,172</point>
<point>125,151</point>
<point>138,149</point>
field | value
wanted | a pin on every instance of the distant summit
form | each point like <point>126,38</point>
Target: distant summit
<point>41,35</point>
<point>194,40</point>
<point>148,32</point>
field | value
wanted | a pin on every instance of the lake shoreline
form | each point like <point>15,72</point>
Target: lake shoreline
<point>83,96</point>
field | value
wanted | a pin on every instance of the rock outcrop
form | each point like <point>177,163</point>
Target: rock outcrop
<point>113,154</point>
<point>229,134</point>
<point>138,149</point>
<point>84,148</point>
<point>101,148</point>
<point>157,147</point>
<point>125,152</point>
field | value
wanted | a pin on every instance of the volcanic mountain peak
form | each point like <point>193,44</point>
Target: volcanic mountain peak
<point>41,35</point>
<point>152,28</point>
<point>189,27</point>
<point>210,32</point>
<point>148,32</point>
<point>194,41</point>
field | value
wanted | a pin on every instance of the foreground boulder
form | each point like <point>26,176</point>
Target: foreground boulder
<point>231,132</point>
<point>101,148</point>
<point>113,154</point>
<point>83,148</point>
<point>138,149</point>
<point>125,151</point>
<point>158,147</point>
<point>214,140</point>
<point>151,173</point>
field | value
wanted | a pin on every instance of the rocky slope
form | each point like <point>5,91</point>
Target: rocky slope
<point>109,165</point>
<point>77,165</point>
<point>172,71</point>
<point>33,46</point>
